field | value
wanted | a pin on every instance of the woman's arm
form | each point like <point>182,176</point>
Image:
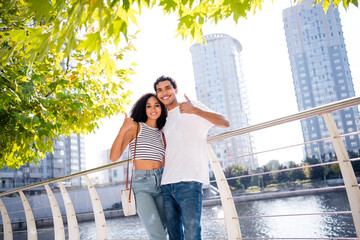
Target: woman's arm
<point>125,136</point>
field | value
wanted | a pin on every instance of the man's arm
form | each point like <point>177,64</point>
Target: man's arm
<point>217,119</point>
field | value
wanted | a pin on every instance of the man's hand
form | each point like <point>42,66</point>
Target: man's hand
<point>187,107</point>
<point>215,118</point>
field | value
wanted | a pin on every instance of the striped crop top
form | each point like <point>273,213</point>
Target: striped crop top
<point>149,144</point>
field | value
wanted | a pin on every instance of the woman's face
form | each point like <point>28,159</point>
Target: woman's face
<point>153,108</point>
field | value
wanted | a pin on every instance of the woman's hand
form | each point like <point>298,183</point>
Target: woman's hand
<point>123,138</point>
<point>128,123</point>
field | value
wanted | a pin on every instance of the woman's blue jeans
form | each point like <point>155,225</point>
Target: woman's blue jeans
<point>182,205</point>
<point>149,202</point>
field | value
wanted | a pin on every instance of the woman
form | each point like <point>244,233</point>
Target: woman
<point>148,117</point>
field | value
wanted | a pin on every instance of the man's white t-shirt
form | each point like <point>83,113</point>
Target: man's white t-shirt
<point>186,155</point>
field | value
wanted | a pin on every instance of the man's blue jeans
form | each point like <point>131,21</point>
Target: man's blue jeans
<point>182,207</point>
<point>149,202</point>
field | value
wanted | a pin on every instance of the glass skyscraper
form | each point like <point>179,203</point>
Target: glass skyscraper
<point>220,85</point>
<point>321,72</point>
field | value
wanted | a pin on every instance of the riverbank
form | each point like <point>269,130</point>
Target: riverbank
<point>243,197</point>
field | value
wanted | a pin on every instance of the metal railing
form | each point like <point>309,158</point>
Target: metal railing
<point>60,200</point>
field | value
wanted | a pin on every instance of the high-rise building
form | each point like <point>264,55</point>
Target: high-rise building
<point>68,158</point>
<point>321,72</point>
<point>220,85</point>
<point>115,174</point>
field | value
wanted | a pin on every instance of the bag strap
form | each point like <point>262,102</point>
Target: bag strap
<point>132,171</point>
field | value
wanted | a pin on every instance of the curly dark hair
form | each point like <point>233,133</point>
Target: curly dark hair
<point>165,78</point>
<point>138,111</point>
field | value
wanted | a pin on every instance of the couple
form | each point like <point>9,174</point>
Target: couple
<point>168,195</point>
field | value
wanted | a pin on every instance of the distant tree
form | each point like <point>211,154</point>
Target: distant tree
<point>307,171</point>
<point>297,174</point>
<point>315,172</point>
<point>234,170</point>
<point>335,169</point>
<point>256,180</point>
<point>273,165</point>
<point>266,178</point>
<point>282,176</point>
<point>246,180</point>
<point>355,164</point>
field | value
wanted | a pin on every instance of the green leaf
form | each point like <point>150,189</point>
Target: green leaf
<point>326,5</point>
<point>41,9</point>
<point>92,43</point>
<point>168,5</point>
<point>17,35</point>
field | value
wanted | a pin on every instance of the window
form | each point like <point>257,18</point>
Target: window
<point>350,122</point>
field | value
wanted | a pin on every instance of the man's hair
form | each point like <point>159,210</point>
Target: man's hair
<point>138,111</point>
<point>165,78</point>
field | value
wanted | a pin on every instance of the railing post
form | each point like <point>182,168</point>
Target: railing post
<point>59,232</point>
<point>101,230</point>
<point>30,221</point>
<point>347,171</point>
<point>72,223</point>
<point>227,202</point>
<point>8,234</point>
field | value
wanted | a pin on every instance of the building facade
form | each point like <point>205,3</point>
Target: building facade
<point>220,85</point>
<point>321,73</point>
<point>68,158</point>
<point>112,175</point>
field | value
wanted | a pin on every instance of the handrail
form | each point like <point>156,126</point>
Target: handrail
<point>78,174</point>
<point>349,102</point>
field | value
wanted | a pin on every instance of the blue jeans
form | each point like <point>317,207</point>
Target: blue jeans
<point>149,202</point>
<point>182,205</point>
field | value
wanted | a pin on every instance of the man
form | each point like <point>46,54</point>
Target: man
<point>186,168</point>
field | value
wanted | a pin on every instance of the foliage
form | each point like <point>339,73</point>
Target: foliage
<point>55,24</point>
<point>307,171</point>
<point>41,100</point>
<point>236,170</point>
<point>273,165</point>
<point>246,180</point>
<point>282,176</point>
<point>296,174</point>
<point>314,172</point>
<point>355,164</point>
<point>266,178</point>
<point>327,3</point>
<point>58,72</point>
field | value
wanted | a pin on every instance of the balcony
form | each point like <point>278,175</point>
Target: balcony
<point>6,175</point>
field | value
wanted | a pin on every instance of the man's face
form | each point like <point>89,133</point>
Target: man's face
<point>166,93</point>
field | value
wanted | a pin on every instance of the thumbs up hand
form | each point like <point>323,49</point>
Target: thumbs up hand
<point>187,107</point>
<point>128,123</point>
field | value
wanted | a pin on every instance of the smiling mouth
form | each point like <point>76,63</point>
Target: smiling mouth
<point>166,97</point>
<point>153,114</point>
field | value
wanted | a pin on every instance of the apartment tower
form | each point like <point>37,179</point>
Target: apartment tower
<point>321,73</point>
<point>68,157</point>
<point>220,85</point>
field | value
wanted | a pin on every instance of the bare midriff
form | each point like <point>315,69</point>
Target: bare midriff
<point>147,164</point>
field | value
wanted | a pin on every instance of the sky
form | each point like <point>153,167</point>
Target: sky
<point>265,63</point>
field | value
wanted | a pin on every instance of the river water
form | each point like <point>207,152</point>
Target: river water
<point>308,226</point>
